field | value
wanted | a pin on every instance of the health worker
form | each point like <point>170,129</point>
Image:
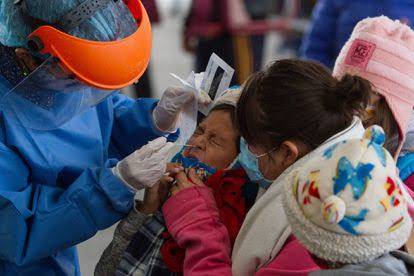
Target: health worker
<point>64,126</point>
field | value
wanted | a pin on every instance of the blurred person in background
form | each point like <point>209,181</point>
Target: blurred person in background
<point>292,37</point>
<point>143,88</point>
<point>208,30</point>
<point>334,20</point>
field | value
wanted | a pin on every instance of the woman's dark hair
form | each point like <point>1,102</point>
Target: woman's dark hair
<point>298,100</point>
<point>232,110</point>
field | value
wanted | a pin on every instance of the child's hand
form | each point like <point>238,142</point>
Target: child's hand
<point>184,182</point>
<point>155,196</point>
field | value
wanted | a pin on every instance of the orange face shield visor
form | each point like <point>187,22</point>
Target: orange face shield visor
<point>105,65</point>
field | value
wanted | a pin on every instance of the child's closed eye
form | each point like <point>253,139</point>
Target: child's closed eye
<point>217,141</point>
<point>199,131</point>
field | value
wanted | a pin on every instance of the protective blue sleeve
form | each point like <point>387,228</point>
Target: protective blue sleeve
<point>133,125</point>
<point>37,220</point>
<point>319,43</point>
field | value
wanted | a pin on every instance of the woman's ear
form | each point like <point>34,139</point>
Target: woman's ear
<point>290,153</point>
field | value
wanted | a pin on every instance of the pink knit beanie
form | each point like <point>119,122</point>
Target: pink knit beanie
<point>382,51</point>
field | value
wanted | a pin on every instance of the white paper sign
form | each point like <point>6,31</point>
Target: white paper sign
<point>217,79</point>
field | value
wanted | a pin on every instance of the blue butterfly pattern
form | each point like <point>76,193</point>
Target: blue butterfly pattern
<point>380,152</point>
<point>376,136</point>
<point>356,177</point>
<point>329,151</point>
<point>348,223</point>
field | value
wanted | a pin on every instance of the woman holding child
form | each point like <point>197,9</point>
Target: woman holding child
<point>300,112</point>
<point>300,109</point>
<point>288,114</point>
<point>285,112</point>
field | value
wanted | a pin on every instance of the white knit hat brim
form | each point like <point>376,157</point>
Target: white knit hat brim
<point>230,97</point>
<point>337,247</point>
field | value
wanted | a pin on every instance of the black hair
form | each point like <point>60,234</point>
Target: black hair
<point>298,100</point>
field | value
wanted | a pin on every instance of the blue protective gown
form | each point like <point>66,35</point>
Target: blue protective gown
<point>56,188</point>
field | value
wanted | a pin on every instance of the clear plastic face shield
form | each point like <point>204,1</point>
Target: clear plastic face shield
<point>49,97</point>
<point>71,81</point>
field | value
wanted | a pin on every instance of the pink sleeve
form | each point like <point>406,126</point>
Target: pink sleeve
<point>293,259</point>
<point>193,220</point>
<point>409,185</point>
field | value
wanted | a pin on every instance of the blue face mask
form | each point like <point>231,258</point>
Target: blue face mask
<point>250,163</point>
<point>203,170</point>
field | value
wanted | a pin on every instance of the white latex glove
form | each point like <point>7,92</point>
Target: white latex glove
<point>145,167</point>
<point>167,113</point>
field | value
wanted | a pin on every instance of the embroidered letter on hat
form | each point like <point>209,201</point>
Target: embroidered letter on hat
<point>360,53</point>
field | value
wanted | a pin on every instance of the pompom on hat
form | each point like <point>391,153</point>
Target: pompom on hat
<point>382,51</point>
<point>346,204</point>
